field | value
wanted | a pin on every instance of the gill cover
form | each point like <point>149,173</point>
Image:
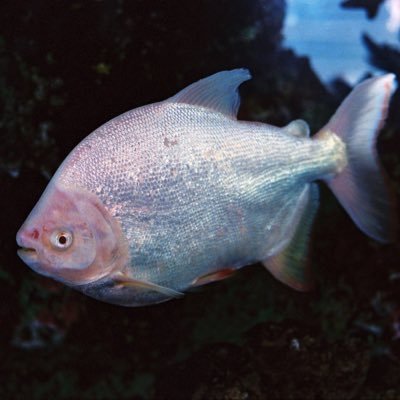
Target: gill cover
<point>78,240</point>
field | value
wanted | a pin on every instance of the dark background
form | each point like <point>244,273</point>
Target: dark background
<point>66,68</point>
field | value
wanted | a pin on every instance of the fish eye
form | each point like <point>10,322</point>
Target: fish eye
<point>61,240</point>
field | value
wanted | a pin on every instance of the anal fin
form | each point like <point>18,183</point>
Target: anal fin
<point>291,266</point>
<point>124,280</point>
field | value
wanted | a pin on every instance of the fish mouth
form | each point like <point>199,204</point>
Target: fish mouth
<point>31,258</point>
<point>28,255</point>
<point>27,250</point>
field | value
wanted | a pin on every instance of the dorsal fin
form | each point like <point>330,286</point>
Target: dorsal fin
<point>218,92</point>
<point>298,128</point>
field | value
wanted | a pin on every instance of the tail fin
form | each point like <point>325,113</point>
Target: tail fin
<point>361,187</point>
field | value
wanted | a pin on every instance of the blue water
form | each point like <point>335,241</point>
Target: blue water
<point>331,36</point>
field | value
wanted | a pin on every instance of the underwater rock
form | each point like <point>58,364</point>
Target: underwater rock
<point>48,326</point>
<point>276,361</point>
<point>371,6</point>
<point>383,56</point>
<point>382,382</point>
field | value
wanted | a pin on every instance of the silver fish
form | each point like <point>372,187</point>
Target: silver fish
<point>179,193</point>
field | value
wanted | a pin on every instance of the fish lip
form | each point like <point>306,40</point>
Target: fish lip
<point>26,251</point>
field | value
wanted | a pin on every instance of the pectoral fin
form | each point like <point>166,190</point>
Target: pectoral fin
<point>291,265</point>
<point>124,280</point>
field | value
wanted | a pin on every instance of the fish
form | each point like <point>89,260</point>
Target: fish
<point>177,194</point>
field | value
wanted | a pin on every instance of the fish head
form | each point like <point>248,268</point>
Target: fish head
<point>70,237</point>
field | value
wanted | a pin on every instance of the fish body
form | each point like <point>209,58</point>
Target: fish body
<point>180,193</point>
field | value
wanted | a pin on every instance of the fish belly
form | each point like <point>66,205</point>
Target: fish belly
<point>194,191</point>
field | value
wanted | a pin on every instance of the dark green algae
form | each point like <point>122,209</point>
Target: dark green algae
<point>64,70</point>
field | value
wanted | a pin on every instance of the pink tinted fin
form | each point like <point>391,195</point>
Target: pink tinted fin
<point>218,92</point>
<point>124,280</point>
<point>291,265</point>
<point>361,187</point>
<point>213,277</point>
